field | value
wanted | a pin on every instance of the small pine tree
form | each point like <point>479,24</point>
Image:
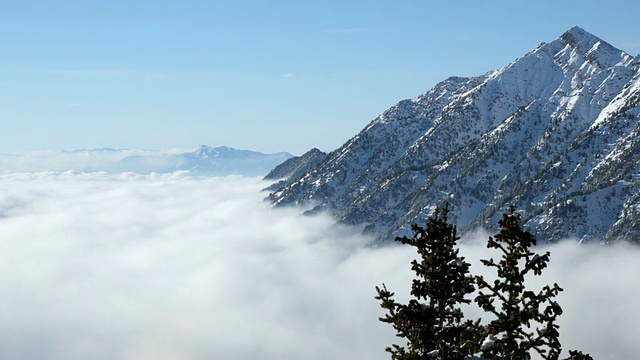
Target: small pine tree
<point>510,335</point>
<point>431,322</point>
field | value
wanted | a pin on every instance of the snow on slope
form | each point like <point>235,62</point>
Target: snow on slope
<point>554,133</point>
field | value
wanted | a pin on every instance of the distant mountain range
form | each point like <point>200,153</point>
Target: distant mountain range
<point>207,160</point>
<point>556,133</point>
<point>204,160</point>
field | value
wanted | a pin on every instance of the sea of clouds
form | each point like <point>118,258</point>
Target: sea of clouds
<point>170,266</point>
<point>87,160</point>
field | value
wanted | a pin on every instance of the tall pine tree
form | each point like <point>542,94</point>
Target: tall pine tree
<point>432,321</point>
<point>525,321</point>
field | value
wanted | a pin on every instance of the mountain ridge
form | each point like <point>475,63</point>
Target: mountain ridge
<point>534,133</point>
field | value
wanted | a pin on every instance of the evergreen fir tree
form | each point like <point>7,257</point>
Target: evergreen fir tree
<point>525,320</point>
<point>432,322</point>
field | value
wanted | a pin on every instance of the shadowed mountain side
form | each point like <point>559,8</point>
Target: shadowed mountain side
<point>293,167</point>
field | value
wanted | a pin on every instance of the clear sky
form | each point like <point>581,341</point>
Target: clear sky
<point>270,76</point>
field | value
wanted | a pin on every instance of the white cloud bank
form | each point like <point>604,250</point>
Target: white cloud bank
<point>90,160</point>
<point>95,266</point>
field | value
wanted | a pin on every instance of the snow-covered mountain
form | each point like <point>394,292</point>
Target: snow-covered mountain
<point>204,160</point>
<point>556,133</point>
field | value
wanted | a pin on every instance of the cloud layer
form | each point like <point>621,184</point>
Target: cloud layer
<point>166,267</point>
<point>97,160</point>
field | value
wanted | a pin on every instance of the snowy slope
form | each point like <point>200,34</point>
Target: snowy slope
<point>554,132</point>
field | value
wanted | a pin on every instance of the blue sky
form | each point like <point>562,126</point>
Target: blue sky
<point>262,75</point>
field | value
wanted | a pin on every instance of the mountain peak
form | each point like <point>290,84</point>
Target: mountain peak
<point>584,42</point>
<point>589,47</point>
<point>579,39</point>
<point>578,32</point>
<point>521,135</point>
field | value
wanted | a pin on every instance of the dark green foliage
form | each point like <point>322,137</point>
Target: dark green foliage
<point>578,355</point>
<point>525,320</point>
<point>432,321</point>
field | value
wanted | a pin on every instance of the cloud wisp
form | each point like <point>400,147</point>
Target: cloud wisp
<point>346,30</point>
<point>168,267</point>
